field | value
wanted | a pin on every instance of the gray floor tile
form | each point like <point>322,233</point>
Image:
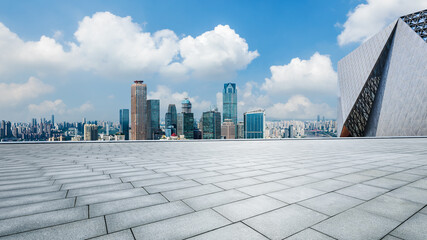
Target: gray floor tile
<point>309,234</point>
<point>262,188</point>
<point>171,186</point>
<point>362,191</point>
<point>237,183</point>
<point>409,193</point>
<point>136,217</point>
<point>390,207</point>
<point>215,199</point>
<point>98,189</point>
<point>387,183</point>
<point>328,185</point>
<point>296,194</point>
<point>121,205</point>
<point>356,224</point>
<point>283,222</point>
<point>190,192</point>
<point>28,209</point>
<point>243,209</point>
<point>41,220</point>
<point>414,228</point>
<point>181,227</point>
<point>34,198</point>
<point>298,181</point>
<point>122,235</point>
<point>109,196</point>
<point>331,203</point>
<point>237,231</point>
<point>76,230</point>
<point>155,181</point>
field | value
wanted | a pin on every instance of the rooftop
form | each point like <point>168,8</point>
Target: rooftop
<point>290,189</point>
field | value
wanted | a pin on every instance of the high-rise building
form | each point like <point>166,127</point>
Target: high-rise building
<point>228,129</point>
<point>229,102</point>
<point>124,122</point>
<point>211,124</point>
<point>186,106</point>
<point>171,116</point>
<point>185,121</point>
<point>291,133</point>
<point>90,132</point>
<point>139,111</point>
<point>240,130</point>
<point>383,83</point>
<point>153,119</point>
<point>254,123</point>
<point>53,120</point>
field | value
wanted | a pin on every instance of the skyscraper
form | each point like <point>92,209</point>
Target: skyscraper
<point>254,123</point>
<point>171,116</point>
<point>185,121</point>
<point>228,129</point>
<point>90,132</point>
<point>139,111</point>
<point>124,122</point>
<point>383,83</point>
<point>229,102</point>
<point>240,129</point>
<point>53,120</point>
<point>153,118</point>
<point>211,124</point>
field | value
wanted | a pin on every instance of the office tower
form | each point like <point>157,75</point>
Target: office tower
<point>124,122</point>
<point>171,116</point>
<point>107,130</point>
<point>84,121</point>
<point>240,130</point>
<point>53,120</point>
<point>291,133</point>
<point>185,120</point>
<point>211,124</point>
<point>318,118</point>
<point>153,119</point>
<point>139,111</point>
<point>90,132</point>
<point>229,102</point>
<point>383,83</point>
<point>186,106</point>
<point>228,129</point>
<point>254,123</point>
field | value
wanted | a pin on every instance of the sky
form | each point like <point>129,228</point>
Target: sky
<point>78,59</point>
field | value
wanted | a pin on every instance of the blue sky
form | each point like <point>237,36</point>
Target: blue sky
<point>78,59</point>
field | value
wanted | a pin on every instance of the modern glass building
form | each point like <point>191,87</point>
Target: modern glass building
<point>124,122</point>
<point>254,124</point>
<point>171,116</point>
<point>383,83</point>
<point>185,120</point>
<point>153,119</point>
<point>229,102</point>
<point>211,125</point>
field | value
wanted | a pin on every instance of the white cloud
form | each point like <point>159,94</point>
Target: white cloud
<point>299,107</point>
<point>369,18</point>
<point>166,97</point>
<point>315,75</point>
<point>111,45</point>
<point>58,107</point>
<point>216,53</point>
<point>13,94</point>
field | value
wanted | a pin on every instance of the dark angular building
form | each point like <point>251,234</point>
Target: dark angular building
<point>211,125</point>
<point>171,116</point>
<point>153,119</point>
<point>383,83</point>
<point>229,102</point>
<point>185,121</point>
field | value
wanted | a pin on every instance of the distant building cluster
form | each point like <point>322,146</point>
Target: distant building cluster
<point>142,122</point>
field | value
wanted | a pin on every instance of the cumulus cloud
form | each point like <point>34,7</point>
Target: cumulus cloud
<point>58,107</point>
<point>216,53</point>
<point>13,94</point>
<point>369,18</point>
<point>166,97</point>
<point>315,75</point>
<point>110,45</point>
<point>299,107</point>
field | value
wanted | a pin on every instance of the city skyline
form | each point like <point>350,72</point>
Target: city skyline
<point>55,67</point>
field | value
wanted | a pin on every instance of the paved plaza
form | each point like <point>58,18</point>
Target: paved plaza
<point>284,189</point>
